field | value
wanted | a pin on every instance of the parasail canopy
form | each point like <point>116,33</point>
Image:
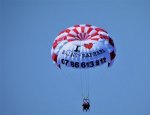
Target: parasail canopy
<point>83,46</point>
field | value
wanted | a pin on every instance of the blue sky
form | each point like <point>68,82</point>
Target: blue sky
<point>32,85</point>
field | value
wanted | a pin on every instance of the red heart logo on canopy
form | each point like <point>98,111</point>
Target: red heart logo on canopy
<point>88,46</point>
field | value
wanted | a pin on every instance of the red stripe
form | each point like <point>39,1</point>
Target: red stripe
<point>111,42</point>
<point>79,36</point>
<point>54,57</point>
<point>58,40</point>
<point>88,25</point>
<point>76,31</point>
<point>96,39</point>
<point>95,34</point>
<point>89,30</point>
<point>55,44</point>
<point>77,26</point>
<point>112,55</point>
<point>67,30</point>
<point>100,29</point>
<point>104,37</point>
<point>70,35</point>
<point>70,40</point>
<point>61,39</point>
<point>82,29</point>
<point>84,35</point>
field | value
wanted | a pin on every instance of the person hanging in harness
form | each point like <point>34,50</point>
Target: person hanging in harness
<point>86,104</point>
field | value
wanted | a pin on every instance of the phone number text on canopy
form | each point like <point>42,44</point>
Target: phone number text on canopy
<point>83,64</point>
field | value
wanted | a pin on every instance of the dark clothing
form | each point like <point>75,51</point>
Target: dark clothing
<point>86,106</point>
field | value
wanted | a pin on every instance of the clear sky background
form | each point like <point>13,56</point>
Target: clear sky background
<point>32,85</point>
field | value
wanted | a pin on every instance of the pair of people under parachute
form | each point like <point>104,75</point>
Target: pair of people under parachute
<point>86,104</point>
<point>79,40</point>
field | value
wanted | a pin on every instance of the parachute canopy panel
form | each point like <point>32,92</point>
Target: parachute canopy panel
<point>83,46</point>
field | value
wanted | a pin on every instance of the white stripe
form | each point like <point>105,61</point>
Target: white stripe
<point>93,27</point>
<point>79,29</point>
<point>69,37</point>
<point>59,46</point>
<point>92,32</point>
<point>71,28</point>
<point>86,29</point>
<point>61,35</point>
<point>83,25</point>
<point>103,33</point>
<point>97,36</point>
<point>73,33</point>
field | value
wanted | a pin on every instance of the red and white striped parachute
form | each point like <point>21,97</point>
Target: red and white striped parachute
<point>83,46</point>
